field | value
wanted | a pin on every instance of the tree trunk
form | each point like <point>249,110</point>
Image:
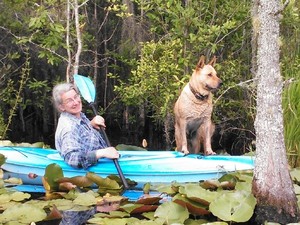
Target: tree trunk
<point>69,64</point>
<point>78,36</point>
<point>272,184</point>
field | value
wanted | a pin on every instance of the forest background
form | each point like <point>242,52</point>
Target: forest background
<point>139,54</point>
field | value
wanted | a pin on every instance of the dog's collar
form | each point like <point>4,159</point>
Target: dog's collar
<point>197,94</point>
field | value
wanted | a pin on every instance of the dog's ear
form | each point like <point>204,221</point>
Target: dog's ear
<point>213,61</point>
<point>201,62</point>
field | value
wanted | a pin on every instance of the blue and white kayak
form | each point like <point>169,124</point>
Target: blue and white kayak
<point>156,167</point>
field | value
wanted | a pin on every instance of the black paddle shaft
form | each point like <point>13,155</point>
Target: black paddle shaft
<point>116,162</point>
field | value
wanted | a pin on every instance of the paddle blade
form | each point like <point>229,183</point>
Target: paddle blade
<point>86,87</point>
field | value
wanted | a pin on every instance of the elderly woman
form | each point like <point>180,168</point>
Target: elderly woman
<point>77,138</point>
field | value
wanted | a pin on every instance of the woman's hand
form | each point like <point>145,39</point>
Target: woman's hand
<point>109,152</point>
<point>97,122</point>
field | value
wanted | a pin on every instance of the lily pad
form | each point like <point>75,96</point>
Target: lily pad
<point>194,208</point>
<point>105,185</point>
<point>23,214</point>
<point>149,200</point>
<point>19,196</point>
<point>198,194</point>
<point>53,173</point>
<point>13,180</point>
<point>237,206</point>
<point>172,212</point>
<point>79,181</point>
<point>2,159</point>
<point>6,143</point>
<point>85,199</point>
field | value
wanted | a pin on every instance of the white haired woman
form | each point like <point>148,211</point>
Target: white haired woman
<point>77,138</point>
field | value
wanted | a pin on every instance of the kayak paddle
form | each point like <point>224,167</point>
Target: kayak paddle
<point>88,92</point>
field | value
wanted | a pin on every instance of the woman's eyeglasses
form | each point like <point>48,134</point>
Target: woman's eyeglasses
<point>69,101</point>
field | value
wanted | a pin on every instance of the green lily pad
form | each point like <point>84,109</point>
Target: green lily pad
<point>85,199</point>
<point>79,181</point>
<point>172,212</point>
<point>215,223</point>
<point>39,144</point>
<point>198,194</point>
<point>2,159</point>
<point>53,173</point>
<point>194,208</point>
<point>237,206</point>
<point>103,182</point>
<point>6,143</point>
<point>111,221</point>
<point>23,214</point>
<point>19,196</point>
<point>13,180</point>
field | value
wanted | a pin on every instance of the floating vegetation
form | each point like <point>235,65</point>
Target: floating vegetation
<point>95,200</point>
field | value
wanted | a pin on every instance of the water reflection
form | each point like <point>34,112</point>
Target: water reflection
<point>71,217</point>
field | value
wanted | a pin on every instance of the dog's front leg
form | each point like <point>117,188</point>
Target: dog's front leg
<point>209,128</point>
<point>181,136</point>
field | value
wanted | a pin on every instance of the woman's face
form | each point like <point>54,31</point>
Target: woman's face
<point>71,103</point>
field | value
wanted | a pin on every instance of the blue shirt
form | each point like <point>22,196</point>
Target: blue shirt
<point>77,141</point>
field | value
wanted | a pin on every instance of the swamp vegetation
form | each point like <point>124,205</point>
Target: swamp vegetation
<point>139,55</point>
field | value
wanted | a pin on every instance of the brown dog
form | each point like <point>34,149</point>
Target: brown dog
<point>193,110</point>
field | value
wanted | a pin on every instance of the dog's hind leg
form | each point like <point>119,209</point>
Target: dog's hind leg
<point>193,133</point>
<point>196,142</point>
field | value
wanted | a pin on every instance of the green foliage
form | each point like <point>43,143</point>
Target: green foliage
<point>14,98</point>
<point>195,22</point>
<point>290,72</point>
<point>2,125</point>
<point>291,106</point>
<point>40,90</point>
<point>182,33</point>
<point>157,80</point>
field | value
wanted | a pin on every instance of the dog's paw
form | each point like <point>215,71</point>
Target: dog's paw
<point>186,152</point>
<point>210,152</point>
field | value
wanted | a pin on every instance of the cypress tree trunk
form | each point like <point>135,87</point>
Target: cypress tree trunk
<point>272,184</point>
